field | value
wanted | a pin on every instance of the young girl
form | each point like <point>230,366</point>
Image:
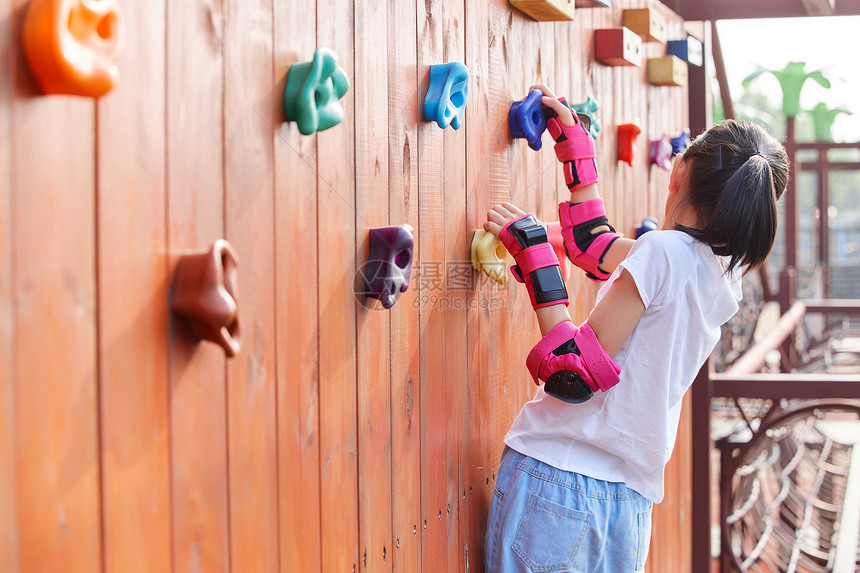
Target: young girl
<point>584,459</point>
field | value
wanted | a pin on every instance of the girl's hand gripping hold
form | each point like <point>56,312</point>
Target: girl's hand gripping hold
<point>537,265</point>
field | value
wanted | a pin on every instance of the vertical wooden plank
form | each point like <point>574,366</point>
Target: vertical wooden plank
<point>296,301</point>
<point>586,77</point>
<point>441,204</point>
<point>480,160</point>
<point>487,183</point>
<point>566,37</point>
<point>403,113</point>
<point>607,85</point>
<point>523,181</point>
<point>133,302</point>
<point>455,261</point>
<point>525,178</point>
<point>54,366</point>
<point>671,540</point>
<point>8,485</point>
<point>674,117</point>
<point>249,226</point>
<point>544,72</point>
<point>672,520</point>
<point>372,325</point>
<point>577,79</point>
<point>336,255</point>
<point>631,183</point>
<point>198,424</point>
<point>524,186</point>
<point>598,81</point>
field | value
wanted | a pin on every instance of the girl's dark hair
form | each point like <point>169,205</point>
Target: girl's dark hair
<point>737,173</point>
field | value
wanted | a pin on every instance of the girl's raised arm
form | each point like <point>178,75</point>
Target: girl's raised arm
<point>591,242</point>
<point>574,362</point>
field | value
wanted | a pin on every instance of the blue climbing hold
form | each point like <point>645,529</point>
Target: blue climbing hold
<point>445,101</point>
<point>526,120</point>
<point>681,143</point>
<point>648,224</point>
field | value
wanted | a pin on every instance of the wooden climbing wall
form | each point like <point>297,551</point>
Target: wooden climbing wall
<point>340,438</point>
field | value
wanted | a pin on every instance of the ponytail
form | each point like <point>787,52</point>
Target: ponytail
<point>737,174</point>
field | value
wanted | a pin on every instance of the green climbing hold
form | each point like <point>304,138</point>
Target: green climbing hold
<point>313,91</point>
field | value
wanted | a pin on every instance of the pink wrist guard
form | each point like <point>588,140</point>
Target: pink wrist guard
<point>584,248</point>
<point>575,149</point>
<point>572,363</point>
<point>537,265</point>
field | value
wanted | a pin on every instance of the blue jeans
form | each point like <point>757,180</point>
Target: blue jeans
<point>543,519</point>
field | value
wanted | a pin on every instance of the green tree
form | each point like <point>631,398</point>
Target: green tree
<point>791,78</point>
<point>823,118</point>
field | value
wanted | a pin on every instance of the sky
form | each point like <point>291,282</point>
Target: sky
<point>830,44</point>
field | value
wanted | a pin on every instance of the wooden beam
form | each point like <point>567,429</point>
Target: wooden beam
<point>754,359</point>
<point>700,464</point>
<point>833,305</point>
<point>819,165</point>
<point>819,7</point>
<point>739,9</point>
<point>722,77</point>
<point>786,386</point>
<point>846,544</point>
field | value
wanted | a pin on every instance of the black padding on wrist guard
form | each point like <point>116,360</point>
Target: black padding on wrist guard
<point>528,232</point>
<point>568,386</point>
<point>583,235</point>
<point>548,284</point>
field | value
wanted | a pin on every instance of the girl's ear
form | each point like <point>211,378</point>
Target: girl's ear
<point>678,176</point>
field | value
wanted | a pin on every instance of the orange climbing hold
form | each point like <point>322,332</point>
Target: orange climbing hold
<point>72,45</point>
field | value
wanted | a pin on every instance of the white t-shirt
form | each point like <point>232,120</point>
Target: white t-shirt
<point>627,434</point>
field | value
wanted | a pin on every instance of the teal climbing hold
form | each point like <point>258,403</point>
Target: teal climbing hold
<point>589,109</point>
<point>313,91</point>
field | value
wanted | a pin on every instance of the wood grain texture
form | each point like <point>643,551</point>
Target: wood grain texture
<point>666,109</point>
<point>455,254</point>
<point>340,438</point>
<point>132,260</point>
<point>338,261</point>
<point>488,334</point>
<point>442,271</point>
<point>544,71</point>
<point>403,117</point>
<point>8,464</point>
<point>296,301</point>
<point>518,328</point>
<point>568,78</point>
<point>195,219</point>
<point>55,382</point>
<point>373,327</point>
<point>249,226</point>
<point>479,161</point>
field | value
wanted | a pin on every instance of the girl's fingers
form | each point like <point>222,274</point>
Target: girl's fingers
<point>499,211</point>
<point>513,209</point>
<point>545,90</point>
<point>493,228</point>
<point>560,109</point>
<point>494,212</point>
<point>501,215</point>
<point>497,218</point>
